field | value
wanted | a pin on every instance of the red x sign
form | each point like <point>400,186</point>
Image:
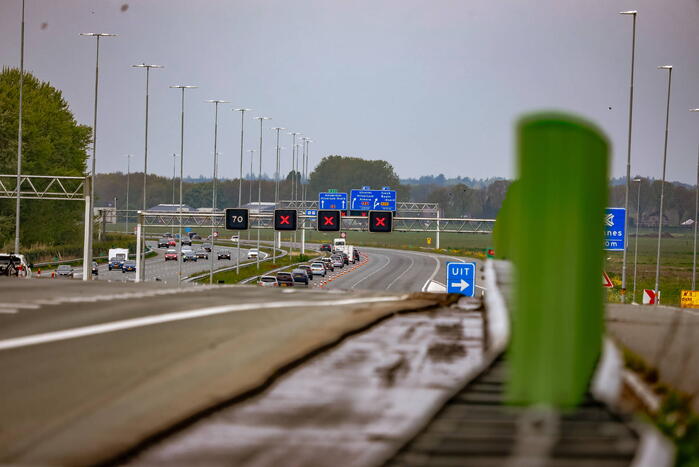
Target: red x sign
<point>380,222</point>
<point>284,220</point>
<point>328,220</point>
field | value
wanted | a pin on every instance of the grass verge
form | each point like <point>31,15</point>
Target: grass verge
<point>250,270</point>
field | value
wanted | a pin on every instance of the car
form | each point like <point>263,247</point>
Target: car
<point>64,271</point>
<point>318,269</point>
<point>202,253</point>
<point>167,235</point>
<point>129,266</point>
<point>191,235</point>
<point>235,238</point>
<point>95,270</point>
<point>338,263</point>
<point>223,254</point>
<point>285,279</point>
<point>206,246</point>
<point>300,277</point>
<point>188,255</point>
<point>186,241</point>
<point>196,237</point>
<point>163,243</point>
<point>115,263</point>
<point>328,264</point>
<point>253,253</point>
<point>307,268</point>
<point>171,254</point>
<point>171,242</point>
<point>356,255</point>
<point>267,281</point>
<point>326,247</point>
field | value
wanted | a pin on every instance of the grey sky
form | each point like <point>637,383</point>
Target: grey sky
<point>429,85</point>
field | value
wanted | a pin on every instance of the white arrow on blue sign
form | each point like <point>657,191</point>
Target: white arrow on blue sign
<point>461,278</point>
<point>614,229</point>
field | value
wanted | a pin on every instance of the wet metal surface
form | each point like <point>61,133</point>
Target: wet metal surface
<point>352,406</point>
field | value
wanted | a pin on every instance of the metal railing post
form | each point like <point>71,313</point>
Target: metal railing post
<point>87,247</point>
<point>140,246</point>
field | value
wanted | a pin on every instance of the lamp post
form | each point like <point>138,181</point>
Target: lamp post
<point>147,67</point>
<point>252,157</point>
<point>19,132</point>
<point>662,186</point>
<point>242,137</point>
<point>638,221</point>
<point>128,186</point>
<point>259,187</point>
<point>276,167</point>
<point>696,214</point>
<point>87,263</point>
<point>179,243</point>
<point>216,102</point>
<point>174,176</point>
<point>293,163</point>
<point>632,13</point>
<point>307,142</point>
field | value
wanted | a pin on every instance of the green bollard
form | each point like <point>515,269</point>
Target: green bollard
<point>557,234</point>
<point>502,228</point>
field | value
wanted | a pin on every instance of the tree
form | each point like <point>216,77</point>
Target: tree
<point>347,173</point>
<point>52,144</point>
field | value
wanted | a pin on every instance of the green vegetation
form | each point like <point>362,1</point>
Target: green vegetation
<point>250,270</point>
<point>42,253</point>
<point>52,144</point>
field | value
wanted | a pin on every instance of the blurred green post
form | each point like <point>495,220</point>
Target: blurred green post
<point>502,228</point>
<point>556,231</point>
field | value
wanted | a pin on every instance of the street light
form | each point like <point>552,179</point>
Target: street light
<point>179,246</point>
<point>293,163</point>
<point>87,271</point>
<point>632,13</point>
<point>259,187</point>
<point>128,185</point>
<point>19,132</point>
<point>216,102</point>
<point>276,167</point>
<point>638,221</point>
<point>696,214</point>
<point>306,147</point>
<point>142,272</point>
<point>662,186</point>
<point>242,137</point>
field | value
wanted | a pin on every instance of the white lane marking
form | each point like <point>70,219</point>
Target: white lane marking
<point>8,311</point>
<point>388,261</point>
<point>438,264</point>
<point>92,330</point>
<point>412,263</point>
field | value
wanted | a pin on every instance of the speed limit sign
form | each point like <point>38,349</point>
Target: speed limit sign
<point>343,234</point>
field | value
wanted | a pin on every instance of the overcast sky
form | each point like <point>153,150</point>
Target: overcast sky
<point>432,86</point>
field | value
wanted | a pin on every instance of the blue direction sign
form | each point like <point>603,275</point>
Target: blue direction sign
<point>332,201</point>
<point>614,224</point>
<point>311,212</point>
<point>461,278</point>
<point>373,200</point>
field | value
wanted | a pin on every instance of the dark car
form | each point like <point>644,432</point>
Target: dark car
<point>356,254</point>
<point>186,241</point>
<point>202,253</point>
<point>167,235</point>
<point>300,276</point>
<point>64,271</point>
<point>223,254</point>
<point>115,263</point>
<point>189,255</point>
<point>326,247</point>
<point>191,235</point>
<point>285,279</point>
<point>129,266</point>
<point>196,237</point>
<point>206,246</point>
<point>328,263</point>
<point>95,271</point>
<point>307,268</point>
<point>163,243</point>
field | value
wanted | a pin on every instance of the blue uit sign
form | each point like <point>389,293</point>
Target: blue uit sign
<point>614,225</point>
<point>461,278</point>
<point>332,201</point>
<point>373,200</point>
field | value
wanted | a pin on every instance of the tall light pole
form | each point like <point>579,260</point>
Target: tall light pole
<point>216,102</point>
<point>87,254</point>
<point>252,176</point>
<point>259,187</point>
<point>179,243</point>
<point>638,221</point>
<point>662,186</point>
<point>19,131</point>
<point>307,142</point>
<point>147,67</point>
<point>242,138</point>
<point>294,134</point>
<point>174,176</point>
<point>696,215</point>
<point>633,13</point>
<point>128,188</point>
<point>277,167</point>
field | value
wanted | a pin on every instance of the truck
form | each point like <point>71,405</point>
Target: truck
<point>117,257</point>
<point>339,244</point>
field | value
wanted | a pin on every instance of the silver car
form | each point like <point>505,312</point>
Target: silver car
<point>267,281</point>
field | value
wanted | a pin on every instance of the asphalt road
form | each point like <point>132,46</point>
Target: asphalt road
<point>91,368</point>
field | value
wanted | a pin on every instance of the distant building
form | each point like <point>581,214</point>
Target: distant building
<point>263,207</point>
<point>171,208</point>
